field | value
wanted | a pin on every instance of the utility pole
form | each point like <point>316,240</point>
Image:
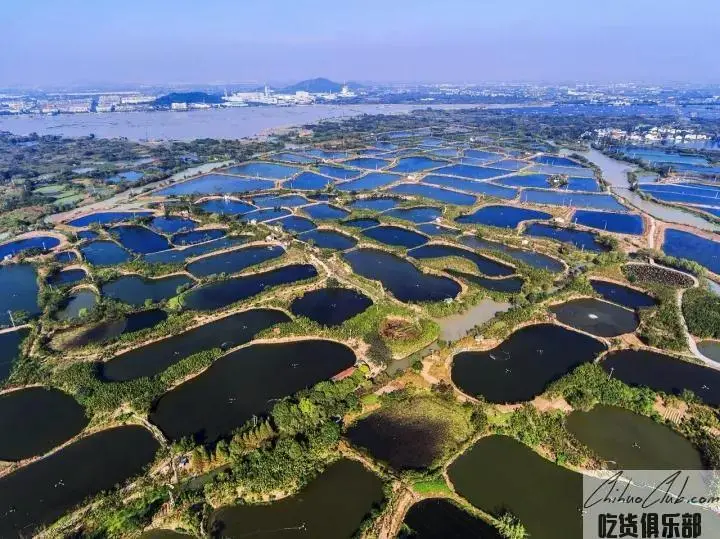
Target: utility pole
<point>12,320</point>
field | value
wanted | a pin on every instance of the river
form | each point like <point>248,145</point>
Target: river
<point>615,173</point>
<point>229,123</point>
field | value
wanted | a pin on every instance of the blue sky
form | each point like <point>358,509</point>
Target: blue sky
<point>46,42</point>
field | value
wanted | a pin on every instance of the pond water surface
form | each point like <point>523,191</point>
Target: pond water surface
<point>522,366</point>
<point>400,277</point>
<point>42,491</point>
<point>104,253</point>
<point>139,239</point>
<point>77,303</point>
<point>531,258</point>
<point>330,306</point>
<point>582,240</point>
<point>223,293</point>
<point>502,216</point>
<point>623,223</point>
<point>631,441</point>
<point>13,248</point>
<point>485,265</point>
<point>246,382</point>
<point>225,333</point>
<point>136,290</point>
<point>329,239</point>
<point>437,518</point>
<point>10,344</point>
<point>332,506</point>
<point>622,295</point>
<point>235,261</point>
<point>596,317</point>
<point>506,464</point>
<point>435,193</point>
<point>682,244</point>
<point>664,373</point>
<point>395,235</point>
<point>36,419</point>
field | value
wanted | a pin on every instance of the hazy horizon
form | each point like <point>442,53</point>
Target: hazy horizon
<point>73,43</point>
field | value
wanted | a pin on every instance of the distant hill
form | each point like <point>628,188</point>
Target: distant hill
<point>187,97</point>
<point>314,86</point>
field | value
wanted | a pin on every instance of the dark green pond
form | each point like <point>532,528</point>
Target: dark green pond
<point>246,382</point>
<point>38,494</point>
<point>136,290</point>
<point>522,366</point>
<point>500,474</point>
<point>234,261</point>
<point>664,373</point>
<point>155,357</point>
<point>631,441</point>
<point>78,303</point>
<point>596,317</point>
<point>436,518</point>
<point>223,293</point>
<point>20,290</point>
<point>10,342</point>
<point>509,285</point>
<point>36,419</point>
<point>331,507</point>
<point>111,329</point>
<point>330,306</point>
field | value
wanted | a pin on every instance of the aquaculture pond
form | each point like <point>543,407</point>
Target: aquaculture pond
<point>400,277</point>
<point>13,248</point>
<point>361,223</point>
<point>686,245</point>
<point>471,171</point>
<point>472,186</point>
<point>86,235</point>
<point>287,157</point>
<point>431,229</point>
<point>339,173</point>
<point>139,239</point>
<point>265,215</point>
<point>223,293</point>
<point>36,419</point>
<point>509,285</point>
<point>544,496</point>
<point>41,492</point>
<point>198,236</point>
<point>585,241</point>
<point>375,204</point>
<point>664,373</point>
<point>435,193</point>
<point>596,317</point>
<point>157,356</point>
<point>542,181</point>
<point>295,224</point>
<point>325,211</point>
<point>510,164</point>
<point>136,290</point>
<point>10,343</point>
<point>622,295</point>
<point>112,329</point>
<point>531,258</point>
<point>332,506</point>
<point>179,256</point>
<point>216,184</point>
<point>107,217</point>
<point>226,206</point>
<point>273,201</point>
<point>682,194</point>
<point>104,253</point>
<point>575,200</point>
<point>556,161</point>
<point>418,214</point>
<point>171,225</point>
<point>395,235</point>
<point>263,170</point>
<point>482,155</point>
<point>19,283</point>
<point>710,349</point>
<point>502,216</point>
<point>373,180</point>
<point>521,367</point>
<point>630,441</point>
<point>66,277</point>
<point>438,518</point>
<point>65,257</point>
<point>235,261</point>
<point>307,181</point>
<point>244,383</point>
<point>416,164</point>
<point>329,239</point>
<point>76,304</point>
<point>371,163</point>
<point>623,223</point>
<point>484,264</point>
<point>330,306</point>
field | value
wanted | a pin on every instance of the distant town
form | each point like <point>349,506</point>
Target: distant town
<point>325,91</point>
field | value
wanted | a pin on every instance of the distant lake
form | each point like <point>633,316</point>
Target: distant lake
<point>214,123</point>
